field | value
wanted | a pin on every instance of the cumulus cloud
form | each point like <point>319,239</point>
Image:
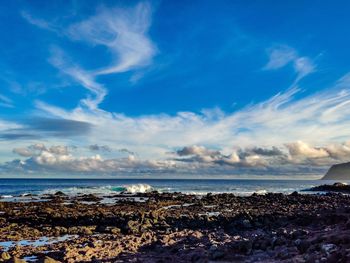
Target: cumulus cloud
<point>240,158</point>
<point>96,147</point>
<point>298,158</point>
<point>38,148</point>
<point>59,159</point>
<point>296,153</point>
<point>306,151</point>
<point>196,150</point>
<point>301,152</point>
<point>25,152</point>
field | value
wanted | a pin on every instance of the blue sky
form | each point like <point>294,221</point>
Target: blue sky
<point>125,88</point>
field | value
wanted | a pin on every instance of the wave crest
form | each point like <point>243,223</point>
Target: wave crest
<point>134,188</point>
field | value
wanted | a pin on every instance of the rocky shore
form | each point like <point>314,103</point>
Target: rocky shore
<point>336,187</point>
<point>154,227</point>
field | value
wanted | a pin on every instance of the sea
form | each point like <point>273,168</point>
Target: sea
<point>105,187</point>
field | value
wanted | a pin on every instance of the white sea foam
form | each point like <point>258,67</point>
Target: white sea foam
<point>138,188</point>
<point>261,192</point>
<point>7,196</point>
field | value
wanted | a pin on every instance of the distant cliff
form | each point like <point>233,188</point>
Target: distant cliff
<point>338,172</point>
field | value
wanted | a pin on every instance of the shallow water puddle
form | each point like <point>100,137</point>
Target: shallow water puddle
<point>177,206</point>
<point>43,241</point>
<point>31,258</point>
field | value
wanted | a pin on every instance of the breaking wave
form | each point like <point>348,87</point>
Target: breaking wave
<point>134,188</point>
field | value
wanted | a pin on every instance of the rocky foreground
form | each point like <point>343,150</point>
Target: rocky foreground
<point>178,228</point>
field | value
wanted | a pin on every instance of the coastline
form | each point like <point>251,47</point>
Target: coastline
<point>175,227</point>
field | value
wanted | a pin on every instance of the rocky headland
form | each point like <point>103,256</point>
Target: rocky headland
<point>154,227</point>
<point>339,172</point>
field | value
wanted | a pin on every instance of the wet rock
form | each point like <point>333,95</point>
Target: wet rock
<point>283,254</point>
<point>302,245</point>
<point>336,187</point>
<point>329,248</point>
<point>90,198</point>
<point>216,252</point>
<point>295,193</point>
<point>246,223</point>
<point>59,193</point>
<point>299,233</point>
<point>245,246</point>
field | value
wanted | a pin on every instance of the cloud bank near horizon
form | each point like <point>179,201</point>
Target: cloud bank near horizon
<point>298,158</point>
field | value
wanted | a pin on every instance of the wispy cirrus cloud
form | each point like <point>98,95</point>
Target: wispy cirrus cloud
<point>41,23</point>
<point>60,60</point>
<point>282,55</point>
<point>6,102</point>
<point>123,31</point>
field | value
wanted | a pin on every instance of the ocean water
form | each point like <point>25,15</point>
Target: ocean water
<point>105,187</point>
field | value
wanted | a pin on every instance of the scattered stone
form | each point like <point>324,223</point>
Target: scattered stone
<point>5,256</point>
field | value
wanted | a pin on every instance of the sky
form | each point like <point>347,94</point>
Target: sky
<point>174,89</point>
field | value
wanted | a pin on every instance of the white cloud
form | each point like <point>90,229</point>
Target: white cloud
<point>25,152</point>
<point>123,31</point>
<point>317,119</point>
<point>280,56</point>
<point>38,148</point>
<point>41,23</point>
<point>58,159</point>
<point>8,125</point>
<point>195,150</point>
<point>304,150</point>
<point>5,102</point>
<point>60,60</point>
<point>300,157</point>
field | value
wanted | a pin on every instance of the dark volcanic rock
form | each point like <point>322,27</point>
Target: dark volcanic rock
<point>336,187</point>
<point>182,228</point>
